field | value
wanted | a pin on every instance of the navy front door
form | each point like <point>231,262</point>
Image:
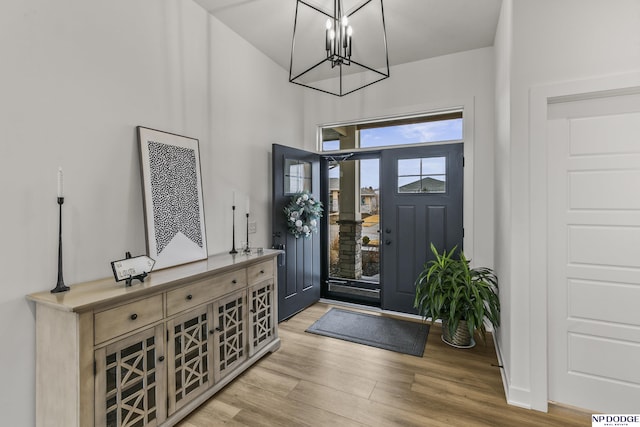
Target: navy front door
<point>295,170</point>
<point>421,198</point>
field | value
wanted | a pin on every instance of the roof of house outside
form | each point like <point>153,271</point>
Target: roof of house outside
<point>427,185</point>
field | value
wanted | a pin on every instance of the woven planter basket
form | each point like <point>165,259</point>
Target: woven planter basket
<point>460,338</point>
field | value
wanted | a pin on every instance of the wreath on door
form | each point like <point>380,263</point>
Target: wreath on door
<point>303,214</point>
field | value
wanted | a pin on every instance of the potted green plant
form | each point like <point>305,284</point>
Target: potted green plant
<point>461,296</point>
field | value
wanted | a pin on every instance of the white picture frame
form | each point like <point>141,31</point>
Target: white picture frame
<point>172,196</point>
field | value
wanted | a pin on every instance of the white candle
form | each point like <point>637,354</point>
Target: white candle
<point>248,204</point>
<point>60,182</point>
<point>234,198</point>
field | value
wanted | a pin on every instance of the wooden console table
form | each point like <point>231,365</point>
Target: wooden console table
<point>148,354</point>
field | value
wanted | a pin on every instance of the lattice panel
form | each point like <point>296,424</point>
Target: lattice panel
<point>262,324</point>
<point>191,352</point>
<point>231,332</point>
<point>131,384</point>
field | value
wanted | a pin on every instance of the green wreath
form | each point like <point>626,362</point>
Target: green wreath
<point>303,214</point>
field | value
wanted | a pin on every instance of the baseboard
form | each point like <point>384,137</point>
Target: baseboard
<point>516,396</point>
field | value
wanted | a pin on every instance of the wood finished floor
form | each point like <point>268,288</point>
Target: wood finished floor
<point>319,381</point>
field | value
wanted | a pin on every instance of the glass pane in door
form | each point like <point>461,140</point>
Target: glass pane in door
<point>354,216</point>
<point>422,175</point>
<point>297,176</point>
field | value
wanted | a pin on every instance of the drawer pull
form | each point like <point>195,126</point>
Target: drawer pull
<point>234,281</point>
<point>134,316</point>
<point>189,297</point>
<point>161,359</point>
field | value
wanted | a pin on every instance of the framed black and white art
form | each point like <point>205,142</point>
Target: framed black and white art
<point>172,193</point>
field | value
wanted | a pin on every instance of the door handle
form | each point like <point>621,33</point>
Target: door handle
<point>281,256</point>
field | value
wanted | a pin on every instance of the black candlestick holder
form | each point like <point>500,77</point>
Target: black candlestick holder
<point>233,231</point>
<point>247,249</point>
<point>60,286</point>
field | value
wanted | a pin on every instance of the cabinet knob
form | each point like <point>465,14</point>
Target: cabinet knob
<point>134,316</point>
<point>189,297</point>
<point>161,359</point>
<point>261,271</point>
<point>212,332</point>
<point>234,281</point>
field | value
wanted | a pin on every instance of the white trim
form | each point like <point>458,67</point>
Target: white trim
<point>515,396</point>
<point>467,106</point>
<point>468,175</point>
<point>400,116</point>
<point>388,147</point>
<point>375,309</point>
<point>539,99</point>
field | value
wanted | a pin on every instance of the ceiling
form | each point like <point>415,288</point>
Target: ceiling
<point>416,29</point>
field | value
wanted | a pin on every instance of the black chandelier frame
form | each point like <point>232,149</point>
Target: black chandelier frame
<point>337,59</point>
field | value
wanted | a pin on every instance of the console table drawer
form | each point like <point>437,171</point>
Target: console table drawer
<point>260,272</point>
<point>206,290</point>
<point>126,318</point>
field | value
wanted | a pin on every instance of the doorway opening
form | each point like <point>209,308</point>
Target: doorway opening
<point>353,212</point>
<point>369,171</point>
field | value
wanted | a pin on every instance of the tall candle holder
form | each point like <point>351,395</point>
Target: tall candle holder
<point>233,231</point>
<point>60,286</point>
<point>247,249</point>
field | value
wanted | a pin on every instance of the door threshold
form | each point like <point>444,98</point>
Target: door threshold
<point>374,294</point>
<point>372,309</point>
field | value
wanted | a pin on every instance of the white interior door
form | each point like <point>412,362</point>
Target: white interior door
<point>594,253</point>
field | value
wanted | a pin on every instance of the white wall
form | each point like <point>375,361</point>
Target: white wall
<point>552,41</point>
<point>76,78</point>
<point>461,79</point>
<point>502,219</point>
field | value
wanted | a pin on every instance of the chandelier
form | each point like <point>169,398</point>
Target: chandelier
<point>350,55</point>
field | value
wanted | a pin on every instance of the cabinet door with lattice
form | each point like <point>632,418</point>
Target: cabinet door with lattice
<point>130,381</point>
<point>262,320</point>
<point>230,337</point>
<point>190,356</point>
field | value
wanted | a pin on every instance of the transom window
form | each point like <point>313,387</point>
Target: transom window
<point>432,128</point>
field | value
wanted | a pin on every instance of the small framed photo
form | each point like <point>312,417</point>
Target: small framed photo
<point>132,268</point>
<point>172,195</point>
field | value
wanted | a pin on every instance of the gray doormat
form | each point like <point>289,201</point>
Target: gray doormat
<point>376,331</point>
